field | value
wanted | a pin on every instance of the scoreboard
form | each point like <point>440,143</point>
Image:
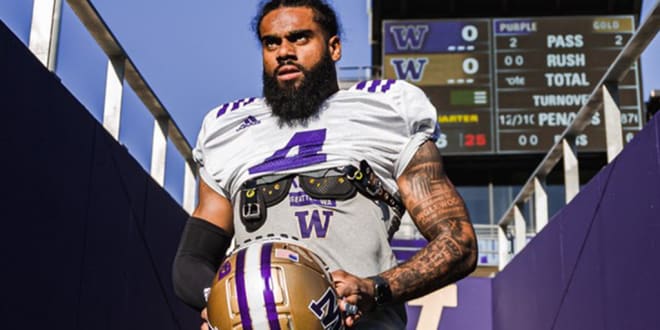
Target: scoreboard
<point>512,85</point>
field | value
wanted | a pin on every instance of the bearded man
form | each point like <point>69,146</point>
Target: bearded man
<point>332,170</point>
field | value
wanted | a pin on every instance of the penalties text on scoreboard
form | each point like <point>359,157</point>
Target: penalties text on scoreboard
<point>512,85</point>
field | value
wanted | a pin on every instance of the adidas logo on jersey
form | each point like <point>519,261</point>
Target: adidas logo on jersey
<point>247,122</point>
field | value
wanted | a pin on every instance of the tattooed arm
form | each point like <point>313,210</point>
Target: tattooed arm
<point>440,215</point>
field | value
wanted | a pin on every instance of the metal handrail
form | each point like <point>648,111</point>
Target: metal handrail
<point>43,43</point>
<point>91,19</point>
<point>615,73</point>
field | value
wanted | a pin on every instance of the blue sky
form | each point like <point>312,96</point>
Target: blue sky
<point>194,56</point>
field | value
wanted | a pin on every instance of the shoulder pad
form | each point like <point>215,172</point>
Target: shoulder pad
<point>374,86</point>
<point>234,105</point>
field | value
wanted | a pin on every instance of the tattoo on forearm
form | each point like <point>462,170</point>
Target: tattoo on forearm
<point>440,215</point>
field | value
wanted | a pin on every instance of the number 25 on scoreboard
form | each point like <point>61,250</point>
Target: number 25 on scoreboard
<point>474,140</point>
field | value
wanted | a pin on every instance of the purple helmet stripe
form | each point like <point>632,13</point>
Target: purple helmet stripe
<point>269,297</point>
<point>240,291</point>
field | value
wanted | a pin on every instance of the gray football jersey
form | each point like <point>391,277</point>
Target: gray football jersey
<point>381,121</point>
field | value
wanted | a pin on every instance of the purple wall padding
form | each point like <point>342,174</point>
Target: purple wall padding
<point>87,237</point>
<point>595,265</point>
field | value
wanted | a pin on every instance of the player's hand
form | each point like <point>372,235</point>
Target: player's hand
<point>205,320</point>
<point>353,291</point>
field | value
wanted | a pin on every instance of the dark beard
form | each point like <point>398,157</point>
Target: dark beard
<point>294,105</point>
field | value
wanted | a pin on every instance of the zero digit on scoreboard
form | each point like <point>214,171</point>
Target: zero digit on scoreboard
<point>469,33</point>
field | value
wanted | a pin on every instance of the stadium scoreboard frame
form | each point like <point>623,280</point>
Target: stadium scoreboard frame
<point>512,85</point>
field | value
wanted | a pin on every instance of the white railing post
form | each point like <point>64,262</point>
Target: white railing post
<point>540,205</point>
<point>520,227</point>
<point>45,31</point>
<point>189,185</point>
<point>502,246</point>
<point>613,130</point>
<point>159,151</point>
<point>571,170</point>
<point>114,88</point>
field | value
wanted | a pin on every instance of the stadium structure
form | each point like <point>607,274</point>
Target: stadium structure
<point>544,130</point>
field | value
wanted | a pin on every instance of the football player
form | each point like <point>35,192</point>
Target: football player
<point>332,170</point>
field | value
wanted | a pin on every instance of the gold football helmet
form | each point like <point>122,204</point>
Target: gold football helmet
<point>273,285</point>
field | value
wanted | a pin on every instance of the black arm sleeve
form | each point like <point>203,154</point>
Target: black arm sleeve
<point>201,250</point>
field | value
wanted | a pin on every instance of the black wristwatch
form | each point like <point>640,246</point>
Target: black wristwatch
<point>382,291</point>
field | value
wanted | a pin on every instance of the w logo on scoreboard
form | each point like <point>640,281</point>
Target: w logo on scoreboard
<point>411,69</point>
<point>409,36</point>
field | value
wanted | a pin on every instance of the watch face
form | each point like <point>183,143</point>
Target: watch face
<point>382,292</point>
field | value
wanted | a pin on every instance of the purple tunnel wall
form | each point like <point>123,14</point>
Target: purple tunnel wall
<point>87,237</point>
<point>595,265</point>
